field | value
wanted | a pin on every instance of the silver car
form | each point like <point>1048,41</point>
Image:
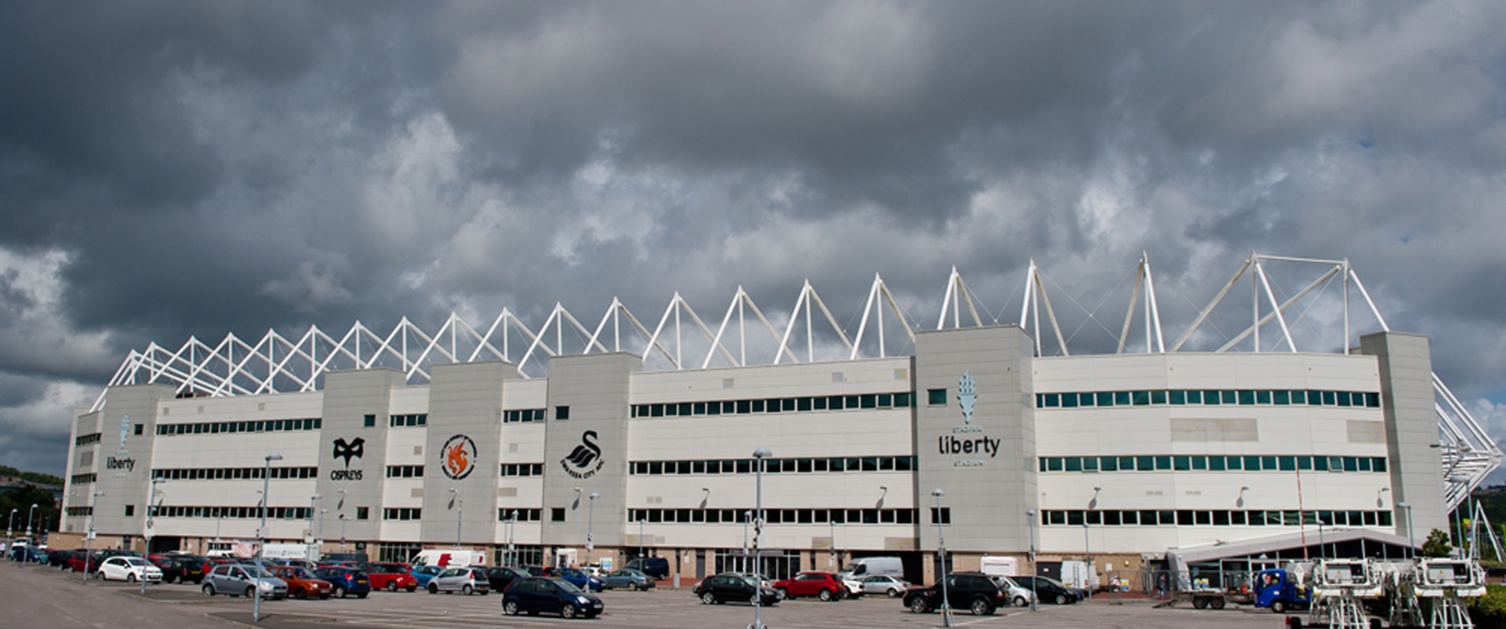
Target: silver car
<point>1019,595</point>
<point>243,580</point>
<point>463,580</point>
<point>888,586</point>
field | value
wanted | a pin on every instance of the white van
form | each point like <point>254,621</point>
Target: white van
<point>874,567</point>
<point>449,558</point>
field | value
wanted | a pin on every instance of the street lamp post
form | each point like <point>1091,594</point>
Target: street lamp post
<point>946,604</point>
<point>641,552</point>
<point>313,505</point>
<point>11,526</point>
<point>151,499</point>
<point>459,509</point>
<point>512,525</point>
<point>747,517</point>
<point>322,511</point>
<point>1088,554</point>
<point>1033,570</point>
<point>342,532</point>
<point>261,541</point>
<point>28,519</point>
<point>833,524</point>
<point>758,461</point>
<point>591,526</point>
<point>89,535</point>
<point>1411,541</point>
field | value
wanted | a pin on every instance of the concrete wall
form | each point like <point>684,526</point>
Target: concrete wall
<point>1406,374</point>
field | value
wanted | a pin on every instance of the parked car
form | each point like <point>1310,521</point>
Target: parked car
<point>193,567</point>
<point>1019,595</point>
<point>1050,590</point>
<point>628,578</point>
<point>423,574</point>
<point>581,579</point>
<point>345,581</point>
<point>964,590</point>
<point>763,581</point>
<point>725,587</point>
<point>823,585</point>
<point>656,567</point>
<point>243,580</point>
<point>539,571</point>
<point>302,583</point>
<point>465,580</point>
<point>85,562</point>
<point>889,586</point>
<point>534,595</point>
<point>171,571</point>
<point>391,577</point>
<point>500,577</point>
<point>59,558</point>
<point>130,569</point>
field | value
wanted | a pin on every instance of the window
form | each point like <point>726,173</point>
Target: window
<point>557,514</point>
<point>363,513</point>
<point>369,421</point>
<point>936,397</point>
<point>130,510</point>
<point>561,412</point>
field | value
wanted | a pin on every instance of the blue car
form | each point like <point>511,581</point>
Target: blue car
<point>345,581</point>
<point>533,595</point>
<point>425,573</point>
<point>581,579</point>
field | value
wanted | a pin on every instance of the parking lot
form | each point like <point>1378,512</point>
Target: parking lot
<point>61,600</point>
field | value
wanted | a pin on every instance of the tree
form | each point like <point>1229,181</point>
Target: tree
<point>1437,544</point>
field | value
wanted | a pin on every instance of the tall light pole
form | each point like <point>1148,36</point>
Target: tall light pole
<point>459,509</point>
<point>833,524</point>
<point>641,552</point>
<point>1411,541</point>
<point>313,505</point>
<point>1088,554</point>
<point>758,461</point>
<point>261,541</point>
<point>322,511</point>
<point>512,525</point>
<point>342,532</point>
<point>1033,570</point>
<point>11,526</point>
<point>747,517</point>
<point>590,526</point>
<point>946,603</point>
<point>89,535</point>
<point>28,519</point>
<point>151,513</point>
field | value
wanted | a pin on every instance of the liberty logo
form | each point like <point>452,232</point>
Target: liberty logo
<point>355,449</point>
<point>966,395</point>
<point>458,457</point>
<point>579,462</point>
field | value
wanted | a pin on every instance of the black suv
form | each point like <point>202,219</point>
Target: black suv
<point>1047,590</point>
<point>725,587</point>
<point>964,590</point>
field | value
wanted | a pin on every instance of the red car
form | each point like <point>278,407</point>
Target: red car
<point>823,585</point>
<point>301,582</point>
<point>76,563</point>
<point>391,577</point>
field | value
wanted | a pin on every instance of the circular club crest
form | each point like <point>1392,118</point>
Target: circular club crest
<point>458,457</point>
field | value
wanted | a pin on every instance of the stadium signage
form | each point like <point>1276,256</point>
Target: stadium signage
<point>353,449</point>
<point>969,445</point>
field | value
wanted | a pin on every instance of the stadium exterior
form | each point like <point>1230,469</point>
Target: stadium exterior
<point>444,441</point>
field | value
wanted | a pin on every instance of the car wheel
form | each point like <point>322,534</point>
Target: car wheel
<point>466,589</point>
<point>392,586</point>
<point>782,593</point>
<point>1200,603</point>
<point>1217,603</point>
<point>131,577</point>
<point>567,611</point>
<point>250,591</point>
<point>339,591</point>
<point>824,595</point>
<point>301,593</point>
<point>918,605</point>
<point>207,590</point>
<point>1278,607</point>
<point>893,592</point>
<point>433,589</point>
<point>707,598</point>
<point>1019,601</point>
<point>982,608</point>
<point>510,608</point>
<point>1061,599</point>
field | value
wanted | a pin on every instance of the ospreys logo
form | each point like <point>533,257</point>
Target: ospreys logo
<point>354,449</point>
<point>458,457</point>
<point>585,460</point>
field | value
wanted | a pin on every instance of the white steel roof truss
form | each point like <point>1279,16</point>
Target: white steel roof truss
<point>879,292</point>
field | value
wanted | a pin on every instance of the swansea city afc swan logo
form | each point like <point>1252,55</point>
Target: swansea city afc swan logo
<point>585,460</point>
<point>458,457</point>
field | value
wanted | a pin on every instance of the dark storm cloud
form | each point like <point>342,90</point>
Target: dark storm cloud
<point>195,169</point>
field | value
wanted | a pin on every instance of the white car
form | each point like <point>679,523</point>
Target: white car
<point>130,569</point>
<point>888,586</point>
<point>1019,596</point>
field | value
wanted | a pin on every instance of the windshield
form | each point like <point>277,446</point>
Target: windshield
<point>567,586</point>
<point>298,573</point>
<point>257,572</point>
<point>1053,582</point>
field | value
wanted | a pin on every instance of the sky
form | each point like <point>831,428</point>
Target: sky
<point>180,169</point>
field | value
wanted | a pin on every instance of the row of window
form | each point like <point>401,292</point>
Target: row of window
<point>522,515</point>
<point>402,513</point>
<point>776,466</point>
<point>1207,397</point>
<point>83,479</point>
<point>1215,518</point>
<point>1212,463</point>
<point>405,471</point>
<point>775,405</point>
<point>522,469</point>
<point>233,473</point>
<point>84,440</point>
<point>79,512</point>
<point>261,425</point>
<point>776,516</point>
<point>522,415</point>
<point>398,421</point>
<point>279,513</point>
